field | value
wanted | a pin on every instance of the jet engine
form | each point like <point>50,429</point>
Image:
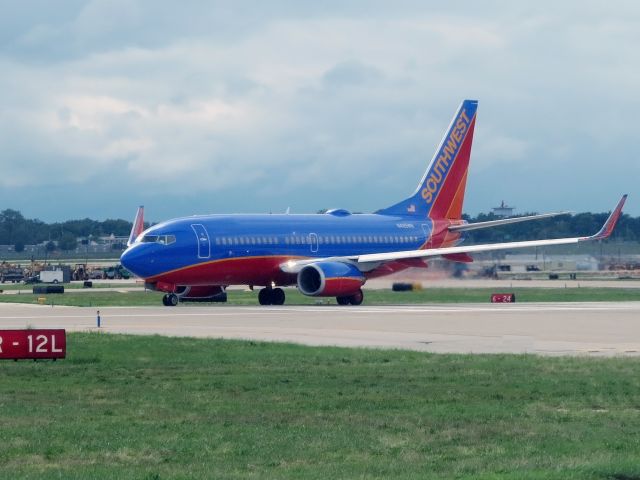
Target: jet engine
<point>330,279</point>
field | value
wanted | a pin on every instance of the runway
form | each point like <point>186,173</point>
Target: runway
<point>593,329</point>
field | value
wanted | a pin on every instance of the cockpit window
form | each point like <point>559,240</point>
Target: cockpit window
<point>162,239</point>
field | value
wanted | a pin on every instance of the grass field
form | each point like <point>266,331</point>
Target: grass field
<point>372,297</point>
<point>157,408</point>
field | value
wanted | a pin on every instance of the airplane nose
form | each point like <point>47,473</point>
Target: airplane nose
<point>130,259</point>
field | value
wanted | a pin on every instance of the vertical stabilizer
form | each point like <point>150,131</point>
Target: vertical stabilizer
<point>440,193</point>
<point>138,226</point>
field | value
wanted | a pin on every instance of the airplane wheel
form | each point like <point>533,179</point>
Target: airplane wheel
<point>277,296</point>
<point>265,296</point>
<point>165,300</point>
<point>356,298</point>
<point>172,300</point>
<point>343,300</point>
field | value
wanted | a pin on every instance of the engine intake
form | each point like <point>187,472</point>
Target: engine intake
<point>330,279</point>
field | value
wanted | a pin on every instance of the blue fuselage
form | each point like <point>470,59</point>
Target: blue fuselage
<point>227,249</point>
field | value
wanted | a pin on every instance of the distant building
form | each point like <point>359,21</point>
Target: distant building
<point>503,210</point>
<point>527,262</point>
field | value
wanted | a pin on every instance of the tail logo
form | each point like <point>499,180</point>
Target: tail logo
<point>447,153</point>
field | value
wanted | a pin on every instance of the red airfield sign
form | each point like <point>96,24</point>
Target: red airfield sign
<point>33,344</point>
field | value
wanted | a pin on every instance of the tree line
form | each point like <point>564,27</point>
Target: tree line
<point>19,231</point>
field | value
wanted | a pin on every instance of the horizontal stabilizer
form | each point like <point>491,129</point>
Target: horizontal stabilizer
<point>504,221</point>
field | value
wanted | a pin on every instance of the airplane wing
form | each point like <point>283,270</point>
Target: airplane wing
<point>368,262</point>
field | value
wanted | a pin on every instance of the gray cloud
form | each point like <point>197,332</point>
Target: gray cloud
<point>211,106</point>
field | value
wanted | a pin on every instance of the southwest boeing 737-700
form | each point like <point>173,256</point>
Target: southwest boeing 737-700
<point>324,255</point>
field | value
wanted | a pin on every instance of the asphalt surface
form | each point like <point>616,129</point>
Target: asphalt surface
<point>592,329</point>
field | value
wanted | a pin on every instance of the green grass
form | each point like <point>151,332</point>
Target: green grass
<point>156,407</point>
<point>372,297</point>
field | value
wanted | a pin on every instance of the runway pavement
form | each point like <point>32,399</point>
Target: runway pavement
<point>594,329</point>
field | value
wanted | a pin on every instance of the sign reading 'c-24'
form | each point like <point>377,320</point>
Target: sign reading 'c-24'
<point>445,156</point>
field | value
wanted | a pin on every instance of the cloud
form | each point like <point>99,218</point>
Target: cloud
<point>252,106</point>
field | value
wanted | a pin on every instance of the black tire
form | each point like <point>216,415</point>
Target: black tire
<point>343,300</point>
<point>265,297</point>
<point>356,298</point>
<point>165,300</point>
<point>277,296</point>
<point>172,300</point>
<point>55,280</point>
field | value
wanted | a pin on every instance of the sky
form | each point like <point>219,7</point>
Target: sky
<point>203,106</point>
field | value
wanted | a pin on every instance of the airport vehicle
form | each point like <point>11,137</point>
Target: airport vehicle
<point>325,255</point>
<point>116,272</point>
<point>13,277</point>
<point>11,273</point>
<point>51,276</point>
<point>32,279</point>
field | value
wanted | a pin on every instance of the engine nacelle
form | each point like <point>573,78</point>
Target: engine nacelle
<point>330,279</point>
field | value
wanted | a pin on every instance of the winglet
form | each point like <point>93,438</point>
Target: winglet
<point>138,226</point>
<point>610,224</point>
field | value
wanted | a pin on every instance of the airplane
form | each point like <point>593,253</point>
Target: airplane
<point>325,255</point>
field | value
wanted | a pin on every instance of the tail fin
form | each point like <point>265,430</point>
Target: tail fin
<point>440,193</point>
<point>138,226</point>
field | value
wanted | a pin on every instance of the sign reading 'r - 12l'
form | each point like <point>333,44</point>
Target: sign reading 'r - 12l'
<point>33,344</point>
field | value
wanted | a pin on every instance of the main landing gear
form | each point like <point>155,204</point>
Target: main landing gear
<point>170,300</point>
<point>355,299</point>
<point>271,296</point>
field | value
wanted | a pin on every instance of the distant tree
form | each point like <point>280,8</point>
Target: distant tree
<point>68,241</point>
<point>119,228</point>
<point>50,246</point>
<point>19,247</point>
